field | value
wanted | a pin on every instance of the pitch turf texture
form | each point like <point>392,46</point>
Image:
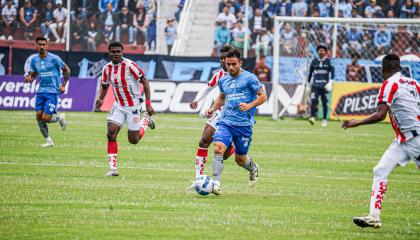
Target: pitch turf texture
<point>313,180</point>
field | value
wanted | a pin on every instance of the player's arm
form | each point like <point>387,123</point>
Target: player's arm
<point>219,102</point>
<point>66,75</point>
<point>200,96</point>
<point>311,70</point>
<point>102,94</point>
<point>261,98</point>
<point>147,94</point>
<point>30,77</point>
<point>378,116</point>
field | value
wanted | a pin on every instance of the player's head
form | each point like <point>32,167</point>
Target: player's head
<point>233,62</point>
<point>355,56</point>
<point>223,52</point>
<point>115,50</point>
<point>390,65</point>
<point>322,51</point>
<point>41,45</point>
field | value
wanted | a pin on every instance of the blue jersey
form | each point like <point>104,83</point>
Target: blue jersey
<point>48,70</point>
<point>240,89</point>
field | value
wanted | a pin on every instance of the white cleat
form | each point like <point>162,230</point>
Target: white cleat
<point>62,121</point>
<point>324,122</point>
<point>216,189</point>
<point>311,120</point>
<point>47,145</point>
<point>367,221</point>
<point>151,123</point>
<point>253,176</point>
<point>112,173</point>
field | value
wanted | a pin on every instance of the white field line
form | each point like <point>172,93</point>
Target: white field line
<point>184,170</point>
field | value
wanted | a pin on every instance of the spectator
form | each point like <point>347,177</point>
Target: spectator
<point>355,14</point>
<point>368,46</point>
<point>359,6</point>
<point>124,22</point>
<point>257,23</point>
<point>239,36</point>
<point>8,21</point>
<point>372,9</point>
<point>262,71</point>
<point>180,7</point>
<point>226,16</point>
<point>395,7</point>
<point>346,8</point>
<point>47,18</point>
<point>382,40</point>
<point>288,39</point>
<point>262,42</point>
<point>28,15</point>
<point>170,34</point>
<point>103,5</point>
<point>60,17</point>
<point>78,28</point>
<point>284,8</point>
<point>108,21</point>
<point>131,4</point>
<point>408,10</point>
<point>240,16</point>
<point>267,8</point>
<point>242,8</point>
<point>354,72</point>
<point>222,35</point>
<point>151,33</point>
<point>353,41</point>
<point>92,37</point>
<point>325,8</point>
<point>15,3</point>
<point>108,33</point>
<point>299,9</point>
<point>82,7</point>
<point>140,23</point>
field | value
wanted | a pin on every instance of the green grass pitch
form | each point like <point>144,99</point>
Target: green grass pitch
<point>313,180</point>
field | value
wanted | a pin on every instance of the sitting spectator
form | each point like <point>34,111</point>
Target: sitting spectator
<point>346,8</point>
<point>353,41</point>
<point>108,20</point>
<point>262,71</point>
<point>299,9</point>
<point>372,9</point>
<point>92,37</point>
<point>222,35</point>
<point>82,7</point>
<point>151,33</point>
<point>267,8</point>
<point>238,34</point>
<point>28,15</point>
<point>108,33</point>
<point>226,16</point>
<point>8,21</point>
<point>368,46</point>
<point>131,4</point>
<point>395,7</point>
<point>170,34</point>
<point>47,18</point>
<point>257,23</point>
<point>103,5</point>
<point>140,24</point>
<point>77,30</point>
<point>325,8</point>
<point>60,17</point>
<point>124,22</point>
<point>15,3</point>
<point>354,72</point>
<point>243,7</point>
<point>180,7</point>
<point>288,39</point>
<point>382,40</point>
<point>408,10</point>
<point>240,16</point>
<point>284,8</point>
<point>262,42</point>
<point>359,6</point>
<point>355,14</point>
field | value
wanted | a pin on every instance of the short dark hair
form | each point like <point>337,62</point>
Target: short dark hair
<point>115,44</point>
<point>322,47</point>
<point>226,48</point>
<point>234,53</point>
<point>40,39</point>
<point>355,55</point>
<point>391,62</point>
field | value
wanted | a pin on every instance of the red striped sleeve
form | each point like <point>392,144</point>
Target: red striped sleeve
<point>104,76</point>
<point>125,87</point>
<point>392,93</point>
<point>133,73</point>
<point>214,79</point>
<point>382,92</point>
<point>140,72</point>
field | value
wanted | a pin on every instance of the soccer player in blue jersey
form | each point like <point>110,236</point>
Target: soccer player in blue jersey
<point>240,94</point>
<point>48,67</point>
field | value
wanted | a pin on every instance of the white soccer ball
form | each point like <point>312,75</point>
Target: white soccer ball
<point>203,185</point>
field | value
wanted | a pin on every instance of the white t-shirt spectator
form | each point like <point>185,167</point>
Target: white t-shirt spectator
<point>60,15</point>
<point>230,19</point>
<point>345,9</point>
<point>8,13</point>
<point>299,9</point>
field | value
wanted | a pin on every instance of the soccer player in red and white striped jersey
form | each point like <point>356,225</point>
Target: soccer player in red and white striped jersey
<point>126,78</point>
<point>210,127</point>
<point>400,96</point>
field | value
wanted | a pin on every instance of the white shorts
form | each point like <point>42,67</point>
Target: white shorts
<point>214,118</point>
<point>131,115</point>
<point>404,152</point>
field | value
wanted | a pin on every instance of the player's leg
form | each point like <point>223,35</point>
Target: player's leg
<point>50,111</point>
<point>202,150</point>
<point>393,157</point>
<point>40,102</point>
<point>314,104</point>
<point>324,101</point>
<point>222,139</point>
<point>116,119</point>
<point>136,126</point>
<point>242,138</point>
<point>229,152</point>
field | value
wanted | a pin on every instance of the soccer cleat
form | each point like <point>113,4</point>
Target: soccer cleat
<point>112,173</point>
<point>151,123</point>
<point>216,189</point>
<point>62,121</point>
<point>253,176</point>
<point>324,122</point>
<point>47,144</point>
<point>311,120</point>
<point>367,221</point>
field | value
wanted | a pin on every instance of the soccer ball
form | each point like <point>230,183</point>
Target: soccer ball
<point>203,185</point>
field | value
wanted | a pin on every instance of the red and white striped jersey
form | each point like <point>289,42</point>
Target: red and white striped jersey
<point>216,77</point>
<point>402,95</point>
<point>125,79</point>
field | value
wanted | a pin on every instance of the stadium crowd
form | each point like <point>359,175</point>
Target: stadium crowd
<point>302,39</point>
<point>92,21</point>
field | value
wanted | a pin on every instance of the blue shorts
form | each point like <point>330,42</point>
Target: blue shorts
<point>46,102</point>
<point>241,136</point>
